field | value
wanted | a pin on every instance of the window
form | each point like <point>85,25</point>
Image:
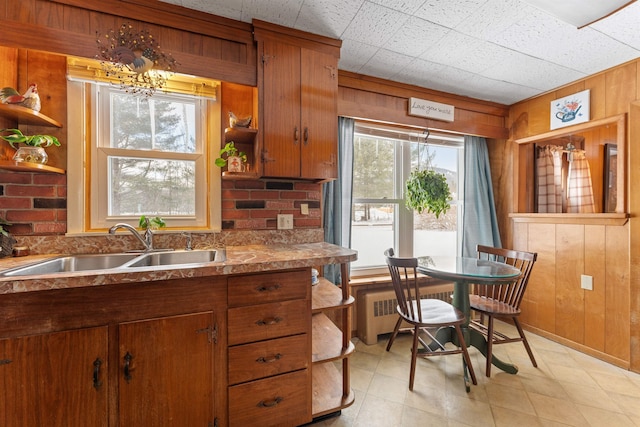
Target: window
<point>141,156</point>
<point>383,159</point>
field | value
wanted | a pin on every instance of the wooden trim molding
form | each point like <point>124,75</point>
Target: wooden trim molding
<point>618,219</point>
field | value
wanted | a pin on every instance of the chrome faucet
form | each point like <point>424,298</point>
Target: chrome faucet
<point>147,241</point>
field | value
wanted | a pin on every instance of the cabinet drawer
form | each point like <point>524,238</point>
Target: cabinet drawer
<point>268,287</point>
<point>263,359</point>
<point>283,400</point>
<point>266,321</point>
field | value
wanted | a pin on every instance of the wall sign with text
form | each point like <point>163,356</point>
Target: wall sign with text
<point>430,109</point>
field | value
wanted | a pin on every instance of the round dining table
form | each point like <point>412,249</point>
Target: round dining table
<point>463,271</point>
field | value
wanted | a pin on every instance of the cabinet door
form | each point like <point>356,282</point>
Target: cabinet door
<point>281,131</point>
<point>57,379</point>
<point>319,115</point>
<point>166,371</point>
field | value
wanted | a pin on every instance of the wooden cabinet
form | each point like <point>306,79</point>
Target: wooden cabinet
<point>141,354</point>
<point>297,91</point>
<point>331,308</point>
<point>56,379</point>
<point>173,358</point>
<point>269,349</point>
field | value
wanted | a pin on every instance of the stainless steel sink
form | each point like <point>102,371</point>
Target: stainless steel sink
<point>174,258</point>
<point>73,263</point>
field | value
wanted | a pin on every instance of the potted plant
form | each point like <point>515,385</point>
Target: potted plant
<point>33,151</point>
<point>428,191</point>
<point>231,157</point>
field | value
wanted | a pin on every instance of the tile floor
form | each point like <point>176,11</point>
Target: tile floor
<point>568,388</point>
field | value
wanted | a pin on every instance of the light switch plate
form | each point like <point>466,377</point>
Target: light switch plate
<point>304,209</point>
<point>285,221</point>
<point>586,282</point>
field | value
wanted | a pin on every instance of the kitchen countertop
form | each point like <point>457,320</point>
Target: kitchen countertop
<point>239,259</point>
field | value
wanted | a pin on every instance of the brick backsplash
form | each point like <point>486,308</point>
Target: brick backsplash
<point>253,204</point>
<point>36,204</point>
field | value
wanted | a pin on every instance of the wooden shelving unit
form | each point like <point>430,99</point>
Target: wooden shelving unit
<point>244,140</point>
<point>331,344</point>
<point>14,166</point>
<point>27,116</point>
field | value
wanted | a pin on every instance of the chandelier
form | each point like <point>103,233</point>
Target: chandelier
<point>134,59</point>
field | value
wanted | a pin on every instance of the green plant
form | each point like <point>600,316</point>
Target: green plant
<point>229,150</point>
<point>152,223</point>
<point>2,229</point>
<point>17,137</point>
<point>428,191</point>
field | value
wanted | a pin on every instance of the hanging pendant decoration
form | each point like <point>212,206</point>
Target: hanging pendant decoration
<point>135,59</point>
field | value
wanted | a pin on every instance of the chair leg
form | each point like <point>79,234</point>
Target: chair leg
<point>414,356</point>
<point>489,344</point>
<point>394,334</point>
<point>465,354</point>
<point>525,342</point>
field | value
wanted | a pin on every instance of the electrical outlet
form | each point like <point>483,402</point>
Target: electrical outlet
<point>586,282</point>
<point>285,221</point>
<point>304,209</point>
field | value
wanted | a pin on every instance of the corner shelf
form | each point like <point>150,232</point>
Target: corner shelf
<point>14,166</point>
<point>27,116</point>
<point>245,141</point>
<point>331,344</point>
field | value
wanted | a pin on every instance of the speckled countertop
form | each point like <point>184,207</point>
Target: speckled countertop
<point>239,259</point>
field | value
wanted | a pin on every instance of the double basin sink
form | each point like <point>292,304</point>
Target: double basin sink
<point>97,262</point>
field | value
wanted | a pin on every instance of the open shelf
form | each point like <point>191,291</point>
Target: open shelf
<point>240,135</point>
<point>327,340</point>
<point>12,165</point>
<point>27,116</point>
<point>327,295</point>
<point>328,395</point>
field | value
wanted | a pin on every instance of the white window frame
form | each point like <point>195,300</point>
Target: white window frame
<point>403,218</point>
<point>86,167</point>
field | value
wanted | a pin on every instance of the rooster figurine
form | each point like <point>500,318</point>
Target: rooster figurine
<point>30,99</point>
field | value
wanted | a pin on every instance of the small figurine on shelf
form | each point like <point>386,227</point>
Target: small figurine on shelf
<point>30,99</point>
<point>236,122</point>
<point>235,160</point>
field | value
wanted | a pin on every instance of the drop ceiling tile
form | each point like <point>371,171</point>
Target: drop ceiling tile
<point>622,25</point>
<point>466,53</point>
<point>404,6</point>
<point>327,17</point>
<point>375,24</point>
<point>378,65</point>
<point>449,13</point>
<point>532,72</point>
<point>415,36</point>
<point>494,17</point>
<point>281,12</point>
<point>354,54</point>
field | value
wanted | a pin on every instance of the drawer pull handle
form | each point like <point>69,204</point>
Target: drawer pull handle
<point>269,321</point>
<point>270,403</point>
<point>269,359</point>
<point>271,288</point>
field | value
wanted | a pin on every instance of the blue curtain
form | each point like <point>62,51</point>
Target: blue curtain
<point>480,222</point>
<point>337,197</point>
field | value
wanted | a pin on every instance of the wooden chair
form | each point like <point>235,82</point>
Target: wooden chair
<point>422,314</point>
<point>501,301</point>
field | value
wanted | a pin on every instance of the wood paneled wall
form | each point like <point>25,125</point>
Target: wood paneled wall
<point>384,101</point>
<point>602,322</point>
<point>203,44</point>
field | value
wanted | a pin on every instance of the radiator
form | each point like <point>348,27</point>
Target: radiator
<point>377,310</point>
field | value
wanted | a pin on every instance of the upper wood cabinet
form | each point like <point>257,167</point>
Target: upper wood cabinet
<point>297,95</point>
